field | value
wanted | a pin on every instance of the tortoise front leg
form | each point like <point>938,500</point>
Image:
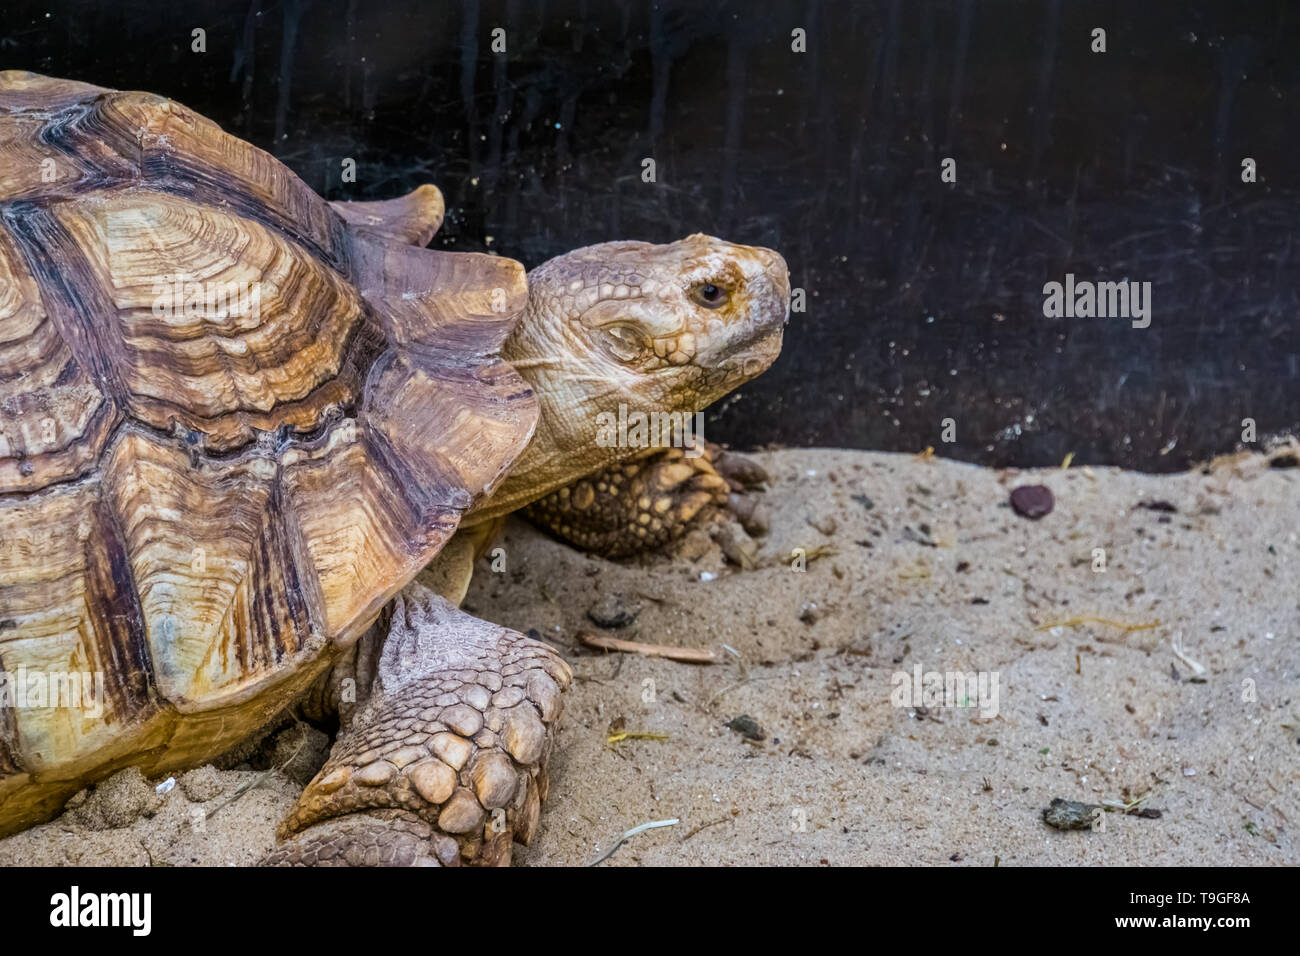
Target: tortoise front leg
<point>446,762</point>
<point>650,501</point>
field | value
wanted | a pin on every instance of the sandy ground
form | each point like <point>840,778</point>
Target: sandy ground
<point>914,561</point>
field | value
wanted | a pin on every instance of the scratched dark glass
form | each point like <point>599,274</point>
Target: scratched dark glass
<point>924,299</point>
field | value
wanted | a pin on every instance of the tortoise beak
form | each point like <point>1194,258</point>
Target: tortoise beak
<point>778,274</point>
<point>769,288</point>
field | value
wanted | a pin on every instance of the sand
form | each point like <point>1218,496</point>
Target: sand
<point>914,561</point>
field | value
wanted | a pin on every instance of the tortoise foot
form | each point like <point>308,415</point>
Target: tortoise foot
<point>370,838</point>
<point>637,506</point>
<point>647,503</point>
<point>446,762</point>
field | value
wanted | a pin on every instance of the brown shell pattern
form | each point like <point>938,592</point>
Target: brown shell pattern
<point>234,421</point>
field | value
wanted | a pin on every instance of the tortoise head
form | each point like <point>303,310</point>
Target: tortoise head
<point>667,328</point>
<point>655,328</point>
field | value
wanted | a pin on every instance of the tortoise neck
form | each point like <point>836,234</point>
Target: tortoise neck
<point>564,448</point>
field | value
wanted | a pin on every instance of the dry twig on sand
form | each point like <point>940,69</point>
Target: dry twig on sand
<point>1076,621</point>
<point>685,655</point>
<point>629,834</point>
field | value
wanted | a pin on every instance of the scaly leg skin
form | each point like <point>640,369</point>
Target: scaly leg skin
<point>446,762</point>
<point>645,503</point>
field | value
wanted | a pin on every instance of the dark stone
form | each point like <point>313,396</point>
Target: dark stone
<point>1069,814</point>
<point>613,611</point>
<point>747,726</point>
<point>1154,505</point>
<point>1032,501</point>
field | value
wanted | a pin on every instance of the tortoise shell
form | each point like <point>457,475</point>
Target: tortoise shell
<point>235,420</point>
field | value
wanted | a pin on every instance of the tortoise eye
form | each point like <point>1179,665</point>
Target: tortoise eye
<point>709,295</point>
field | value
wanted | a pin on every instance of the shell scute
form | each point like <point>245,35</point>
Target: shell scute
<point>200,503</point>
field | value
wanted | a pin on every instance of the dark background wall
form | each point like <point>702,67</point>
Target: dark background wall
<point>924,298</point>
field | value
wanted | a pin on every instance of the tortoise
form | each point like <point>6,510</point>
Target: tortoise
<point>251,441</point>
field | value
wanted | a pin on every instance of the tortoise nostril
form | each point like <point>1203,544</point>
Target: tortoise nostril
<point>776,271</point>
<point>773,261</point>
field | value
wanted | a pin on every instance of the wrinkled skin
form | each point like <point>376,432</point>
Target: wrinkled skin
<point>661,328</point>
<point>444,759</point>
